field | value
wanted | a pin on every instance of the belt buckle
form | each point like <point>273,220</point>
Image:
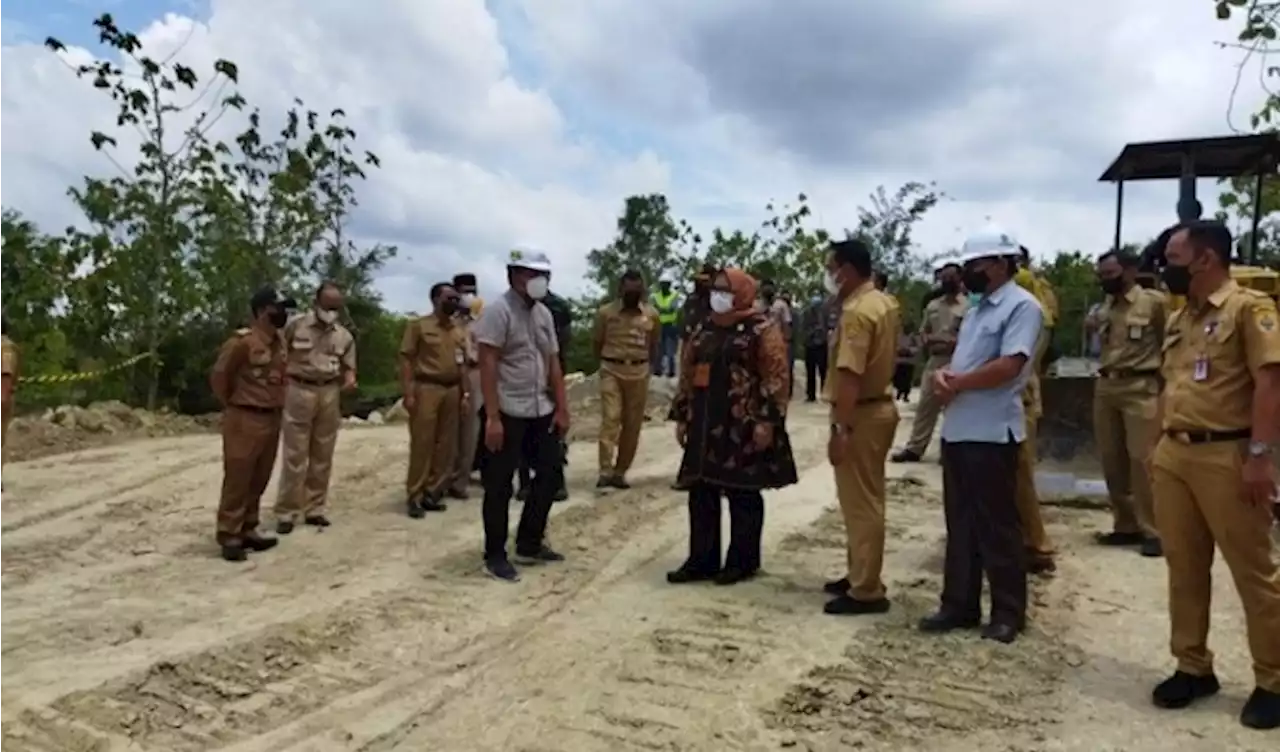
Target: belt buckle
<point>1182,437</point>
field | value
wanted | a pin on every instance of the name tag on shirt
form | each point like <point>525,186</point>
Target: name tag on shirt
<point>1201,370</point>
<point>1135,332</point>
<point>702,375</point>
<point>459,357</point>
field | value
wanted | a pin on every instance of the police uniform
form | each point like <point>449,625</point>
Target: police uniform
<point>435,351</point>
<point>1124,407</point>
<point>320,356</point>
<point>1034,536</point>
<point>1212,356</point>
<point>248,378</point>
<point>624,338</point>
<point>9,361</point>
<point>865,344</point>
<point>941,318</point>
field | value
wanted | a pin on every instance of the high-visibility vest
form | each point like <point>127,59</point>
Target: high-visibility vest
<point>666,305</point>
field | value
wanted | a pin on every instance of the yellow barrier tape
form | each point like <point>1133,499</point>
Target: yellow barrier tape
<point>64,378</point>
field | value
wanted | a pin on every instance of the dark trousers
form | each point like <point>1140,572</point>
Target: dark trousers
<point>668,349</point>
<point>984,534</point>
<point>746,522</point>
<point>524,472</point>
<point>903,375</point>
<point>815,370</point>
<point>533,440</point>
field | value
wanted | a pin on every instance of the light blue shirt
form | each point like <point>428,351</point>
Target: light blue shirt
<point>1005,323</point>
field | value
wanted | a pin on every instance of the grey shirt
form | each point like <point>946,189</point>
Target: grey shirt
<point>525,337</point>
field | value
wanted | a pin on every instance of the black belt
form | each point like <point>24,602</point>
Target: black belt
<point>1128,373</point>
<point>621,362</point>
<point>1208,437</point>
<point>312,382</point>
<point>437,380</point>
<point>257,409</point>
<point>871,400</point>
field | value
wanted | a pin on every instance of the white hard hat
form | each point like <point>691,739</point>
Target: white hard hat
<point>989,242</point>
<point>524,259</point>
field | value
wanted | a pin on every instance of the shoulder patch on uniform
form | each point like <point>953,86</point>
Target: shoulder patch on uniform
<point>1267,321</point>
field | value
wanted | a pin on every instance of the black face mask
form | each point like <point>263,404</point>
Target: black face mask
<point>279,319</point>
<point>449,307</point>
<point>949,287</point>
<point>1177,279</point>
<point>1112,285</point>
<point>631,299</point>
<point>976,280</point>
<point>767,294</point>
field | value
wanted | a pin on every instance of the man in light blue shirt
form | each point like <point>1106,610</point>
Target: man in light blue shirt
<point>982,429</point>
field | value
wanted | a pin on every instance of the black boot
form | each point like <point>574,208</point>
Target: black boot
<point>1182,689</point>
<point>1262,710</point>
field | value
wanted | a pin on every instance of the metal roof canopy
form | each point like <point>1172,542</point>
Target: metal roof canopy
<point>1187,160</point>
<point>1218,157</point>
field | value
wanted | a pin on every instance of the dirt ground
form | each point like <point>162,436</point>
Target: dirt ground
<point>122,630</point>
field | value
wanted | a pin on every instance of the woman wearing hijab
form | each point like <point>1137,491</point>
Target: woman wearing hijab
<point>729,413</point>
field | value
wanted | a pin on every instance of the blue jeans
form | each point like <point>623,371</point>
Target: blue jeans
<point>668,344</point>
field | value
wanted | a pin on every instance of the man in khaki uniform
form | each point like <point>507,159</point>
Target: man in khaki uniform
<point>322,362</point>
<point>248,379</point>
<point>433,364</point>
<point>626,333</point>
<point>1212,472</point>
<point>938,330</point>
<point>8,385</point>
<point>469,307</point>
<point>863,420</point>
<point>1130,325</point>
<point>1035,539</point>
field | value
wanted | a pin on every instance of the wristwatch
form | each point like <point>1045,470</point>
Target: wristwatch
<point>1259,449</point>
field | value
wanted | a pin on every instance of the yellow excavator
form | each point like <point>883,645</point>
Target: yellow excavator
<point>1066,427</point>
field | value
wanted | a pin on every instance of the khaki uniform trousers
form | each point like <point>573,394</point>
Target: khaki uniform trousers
<point>622,411</point>
<point>250,439</point>
<point>433,437</point>
<point>1034,537</point>
<point>308,436</point>
<point>468,441</point>
<point>1124,427</point>
<point>860,487</point>
<point>928,409</point>
<point>1197,493</point>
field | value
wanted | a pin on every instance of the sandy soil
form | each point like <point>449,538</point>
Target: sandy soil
<point>123,631</point>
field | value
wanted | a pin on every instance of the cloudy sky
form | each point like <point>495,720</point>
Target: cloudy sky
<point>526,122</point>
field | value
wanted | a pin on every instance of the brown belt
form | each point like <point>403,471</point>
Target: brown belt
<point>621,362</point>
<point>1128,373</point>
<point>437,380</point>
<point>871,400</point>
<point>257,409</point>
<point>1208,437</point>
<point>313,382</point>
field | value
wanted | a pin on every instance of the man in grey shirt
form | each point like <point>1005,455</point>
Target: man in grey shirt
<point>982,429</point>
<point>525,411</point>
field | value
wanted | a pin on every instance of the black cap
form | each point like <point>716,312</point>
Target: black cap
<point>269,296</point>
<point>464,280</point>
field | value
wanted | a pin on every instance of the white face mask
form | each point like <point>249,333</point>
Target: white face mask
<point>831,283</point>
<point>326,315</point>
<point>721,301</point>
<point>466,300</point>
<point>537,287</point>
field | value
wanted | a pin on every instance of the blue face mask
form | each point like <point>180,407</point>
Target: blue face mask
<point>974,298</point>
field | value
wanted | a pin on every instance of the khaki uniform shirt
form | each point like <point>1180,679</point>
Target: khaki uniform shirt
<point>942,319</point>
<point>318,352</point>
<point>866,342</point>
<point>436,351</point>
<point>1132,331</point>
<point>625,339</point>
<point>250,370</point>
<point>1212,356</point>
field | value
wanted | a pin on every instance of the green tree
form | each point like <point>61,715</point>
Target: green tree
<point>649,240</point>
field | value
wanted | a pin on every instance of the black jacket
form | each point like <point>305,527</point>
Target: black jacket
<point>562,316</point>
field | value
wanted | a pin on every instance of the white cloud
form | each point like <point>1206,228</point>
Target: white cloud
<point>1013,107</point>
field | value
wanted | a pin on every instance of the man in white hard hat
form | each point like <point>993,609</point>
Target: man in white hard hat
<point>982,429</point>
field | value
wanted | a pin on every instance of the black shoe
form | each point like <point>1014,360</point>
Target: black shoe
<point>847,605</point>
<point>905,455</point>
<point>1000,632</point>
<point>522,495</point>
<point>944,622</point>
<point>603,482</point>
<point>1040,564</point>
<point>1262,710</point>
<point>501,569</point>
<point>284,527</point>
<point>258,544</point>
<point>678,486</point>
<point>318,520</point>
<point>541,555</point>
<point>687,574</point>
<point>432,503</point>
<point>734,575</point>
<point>1152,548</point>
<point>1182,689</point>
<point>561,494</point>
<point>234,553</point>
<point>1118,539</point>
<point>836,587</point>
<point>619,483</point>
<point>415,509</point>
<point>459,493</point>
